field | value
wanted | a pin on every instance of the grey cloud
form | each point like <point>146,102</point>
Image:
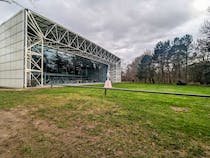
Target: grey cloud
<point>125,27</point>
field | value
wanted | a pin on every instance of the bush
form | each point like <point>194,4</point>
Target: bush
<point>180,83</point>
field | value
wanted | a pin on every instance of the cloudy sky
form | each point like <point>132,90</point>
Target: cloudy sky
<point>125,27</point>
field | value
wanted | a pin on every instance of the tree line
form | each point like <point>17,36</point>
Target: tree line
<point>179,60</point>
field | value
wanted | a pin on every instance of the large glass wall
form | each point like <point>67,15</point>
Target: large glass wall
<point>62,68</point>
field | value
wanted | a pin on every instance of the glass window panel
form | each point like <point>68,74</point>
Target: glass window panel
<point>60,67</point>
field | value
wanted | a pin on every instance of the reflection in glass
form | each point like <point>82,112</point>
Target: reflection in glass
<point>61,68</point>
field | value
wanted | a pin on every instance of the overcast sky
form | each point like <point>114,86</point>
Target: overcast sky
<point>125,27</point>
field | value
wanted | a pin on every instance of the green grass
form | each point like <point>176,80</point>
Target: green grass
<point>165,87</point>
<point>84,123</point>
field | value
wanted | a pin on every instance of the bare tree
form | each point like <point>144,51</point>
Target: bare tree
<point>131,71</point>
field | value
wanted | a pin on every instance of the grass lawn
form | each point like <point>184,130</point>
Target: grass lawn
<point>79,122</point>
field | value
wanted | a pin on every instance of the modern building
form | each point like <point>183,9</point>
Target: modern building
<point>35,51</point>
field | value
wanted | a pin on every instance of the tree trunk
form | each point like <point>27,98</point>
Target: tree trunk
<point>162,75</point>
<point>186,69</point>
<point>169,76</point>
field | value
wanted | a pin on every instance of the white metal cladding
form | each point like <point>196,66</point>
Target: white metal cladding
<point>43,32</point>
<point>115,72</point>
<point>12,52</point>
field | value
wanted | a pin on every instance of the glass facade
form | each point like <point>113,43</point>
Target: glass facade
<point>63,68</point>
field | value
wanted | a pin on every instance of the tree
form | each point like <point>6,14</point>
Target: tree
<point>185,44</point>
<point>178,57</point>
<point>160,57</point>
<point>131,71</point>
<point>205,28</point>
<point>203,44</point>
<point>145,70</point>
<point>202,53</point>
<point>200,69</point>
<point>200,72</point>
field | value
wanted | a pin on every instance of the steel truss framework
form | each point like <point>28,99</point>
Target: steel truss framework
<point>40,32</point>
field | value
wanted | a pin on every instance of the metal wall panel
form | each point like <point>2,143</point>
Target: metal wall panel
<point>12,52</point>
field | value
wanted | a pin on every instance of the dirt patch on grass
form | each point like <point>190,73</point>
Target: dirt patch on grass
<point>180,109</point>
<point>23,134</point>
<point>11,122</point>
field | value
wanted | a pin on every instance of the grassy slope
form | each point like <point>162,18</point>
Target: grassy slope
<point>122,124</point>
